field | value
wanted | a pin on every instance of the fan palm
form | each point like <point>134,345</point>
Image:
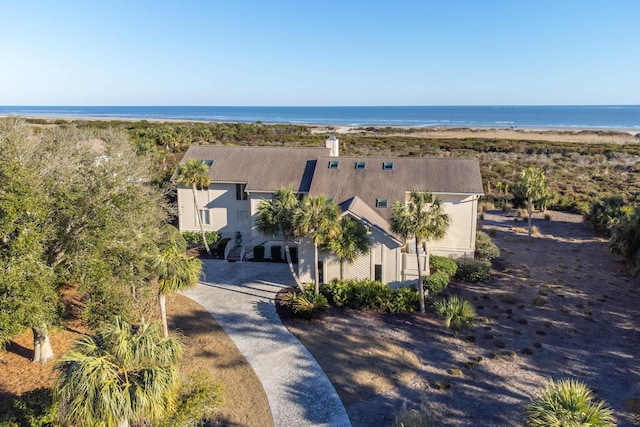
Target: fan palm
<point>317,218</point>
<point>567,403</point>
<point>176,272</point>
<point>422,218</point>
<point>276,216</point>
<point>531,185</point>
<point>194,173</point>
<point>123,374</point>
<point>351,241</point>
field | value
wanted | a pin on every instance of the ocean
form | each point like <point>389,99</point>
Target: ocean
<point>602,117</point>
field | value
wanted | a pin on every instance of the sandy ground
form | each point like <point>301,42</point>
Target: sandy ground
<point>558,305</point>
<point>555,135</point>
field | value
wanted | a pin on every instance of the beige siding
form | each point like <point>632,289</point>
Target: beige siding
<point>460,238</point>
<point>226,214</point>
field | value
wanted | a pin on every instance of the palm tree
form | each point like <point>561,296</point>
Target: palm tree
<point>176,272</point>
<point>531,186</point>
<point>123,374</point>
<point>195,174</point>
<point>276,216</point>
<point>351,242</point>
<point>423,218</point>
<point>317,218</point>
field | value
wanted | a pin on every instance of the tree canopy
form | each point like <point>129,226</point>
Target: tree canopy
<point>75,207</point>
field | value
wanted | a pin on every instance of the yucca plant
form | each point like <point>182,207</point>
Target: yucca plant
<point>458,313</point>
<point>567,403</point>
<point>309,306</point>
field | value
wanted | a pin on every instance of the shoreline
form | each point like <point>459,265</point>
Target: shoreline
<point>551,134</point>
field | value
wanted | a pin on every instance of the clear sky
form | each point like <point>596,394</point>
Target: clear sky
<point>329,52</point>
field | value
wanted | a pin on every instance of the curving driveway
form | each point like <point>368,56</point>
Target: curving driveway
<point>240,296</point>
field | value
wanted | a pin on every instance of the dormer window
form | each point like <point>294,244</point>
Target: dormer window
<point>360,165</point>
<point>387,166</point>
<point>208,162</point>
<point>381,203</point>
<point>333,164</point>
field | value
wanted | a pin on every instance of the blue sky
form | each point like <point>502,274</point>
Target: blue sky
<point>304,52</point>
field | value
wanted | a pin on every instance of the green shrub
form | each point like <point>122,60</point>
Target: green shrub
<point>307,306</point>
<point>421,417</point>
<point>473,270</point>
<point>368,294</point>
<point>567,403</point>
<point>606,213</point>
<point>212,237</point>
<point>31,409</point>
<point>191,237</point>
<point>195,238</point>
<point>458,313</point>
<point>198,399</point>
<point>404,300</point>
<point>436,282</point>
<point>444,264</point>
<point>625,239</point>
<point>485,248</point>
<point>336,292</point>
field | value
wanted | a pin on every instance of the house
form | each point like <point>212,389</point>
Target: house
<point>364,187</point>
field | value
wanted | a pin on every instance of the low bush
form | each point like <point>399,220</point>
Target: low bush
<point>368,294</point>
<point>336,292</point>
<point>436,282</point>
<point>191,237</point>
<point>473,270</point>
<point>34,408</point>
<point>421,417</point>
<point>307,305</point>
<point>404,300</point>
<point>458,313</point>
<point>443,264</point>
<point>195,238</point>
<point>567,402</point>
<point>198,399</point>
<point>485,248</point>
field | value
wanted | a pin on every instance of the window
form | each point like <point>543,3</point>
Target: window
<point>320,271</point>
<point>208,162</point>
<point>333,164</point>
<point>377,272</point>
<point>204,216</point>
<point>381,203</point>
<point>360,165</point>
<point>387,166</point>
<point>241,194</point>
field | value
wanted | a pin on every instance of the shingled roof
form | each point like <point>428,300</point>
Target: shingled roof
<point>313,171</point>
<point>357,208</point>
<point>262,168</point>
<point>391,177</point>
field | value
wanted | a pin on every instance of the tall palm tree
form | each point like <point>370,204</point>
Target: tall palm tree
<point>317,218</point>
<point>195,174</point>
<point>423,218</point>
<point>351,242</point>
<point>123,374</point>
<point>531,185</point>
<point>276,216</point>
<point>176,272</point>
